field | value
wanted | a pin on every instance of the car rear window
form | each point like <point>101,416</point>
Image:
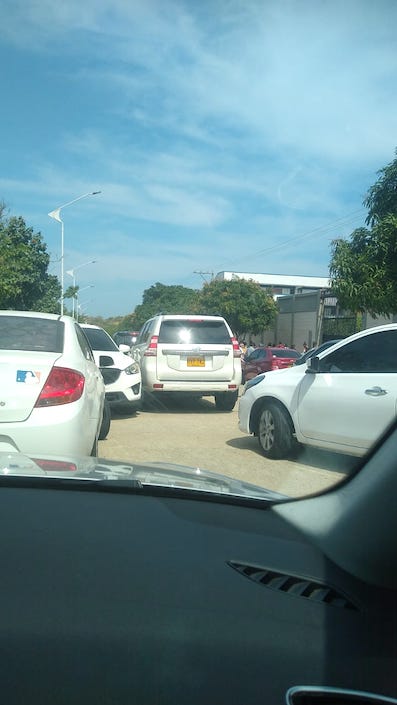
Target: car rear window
<point>194,331</point>
<point>284,352</point>
<point>28,333</point>
<point>99,339</point>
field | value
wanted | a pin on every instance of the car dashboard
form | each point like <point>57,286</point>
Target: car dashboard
<point>124,597</point>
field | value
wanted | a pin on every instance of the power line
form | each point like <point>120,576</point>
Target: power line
<point>324,229</point>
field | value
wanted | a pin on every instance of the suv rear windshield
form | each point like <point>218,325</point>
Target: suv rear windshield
<point>28,333</point>
<point>194,331</point>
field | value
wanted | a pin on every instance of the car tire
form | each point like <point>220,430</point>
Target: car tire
<point>226,401</point>
<point>275,432</point>
<point>106,418</point>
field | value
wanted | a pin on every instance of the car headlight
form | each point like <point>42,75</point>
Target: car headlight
<point>132,369</point>
<point>252,382</point>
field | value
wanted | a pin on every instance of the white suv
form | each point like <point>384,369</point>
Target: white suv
<point>190,353</point>
<point>340,400</point>
<point>121,374</point>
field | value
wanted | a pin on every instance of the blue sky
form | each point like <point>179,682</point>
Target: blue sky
<point>223,134</point>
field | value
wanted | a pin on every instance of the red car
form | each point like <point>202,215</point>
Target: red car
<point>265,359</point>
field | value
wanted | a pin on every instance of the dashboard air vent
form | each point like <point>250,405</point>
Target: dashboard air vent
<point>294,585</point>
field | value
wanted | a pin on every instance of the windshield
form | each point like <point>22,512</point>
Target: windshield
<point>213,185</point>
<point>99,339</point>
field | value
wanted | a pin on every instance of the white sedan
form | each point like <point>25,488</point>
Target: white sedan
<point>341,400</point>
<point>51,391</point>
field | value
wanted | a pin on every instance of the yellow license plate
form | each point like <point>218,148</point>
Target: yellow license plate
<point>196,362</point>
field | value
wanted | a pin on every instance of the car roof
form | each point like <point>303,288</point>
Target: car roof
<point>33,314</point>
<point>190,317</point>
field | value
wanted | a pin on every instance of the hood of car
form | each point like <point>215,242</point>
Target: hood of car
<point>285,376</point>
<point>120,474</point>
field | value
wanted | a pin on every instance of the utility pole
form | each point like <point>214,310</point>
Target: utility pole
<point>202,275</point>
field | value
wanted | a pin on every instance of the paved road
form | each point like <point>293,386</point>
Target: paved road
<point>192,432</point>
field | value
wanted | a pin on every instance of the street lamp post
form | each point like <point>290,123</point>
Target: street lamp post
<point>90,286</point>
<point>80,308</point>
<point>72,273</point>
<point>56,215</point>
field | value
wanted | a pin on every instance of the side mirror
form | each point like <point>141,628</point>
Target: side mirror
<point>124,348</point>
<point>313,365</point>
<point>105,361</point>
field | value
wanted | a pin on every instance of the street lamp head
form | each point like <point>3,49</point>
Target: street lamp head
<point>56,215</point>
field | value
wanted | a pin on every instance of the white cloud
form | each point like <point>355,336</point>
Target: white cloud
<point>218,130</point>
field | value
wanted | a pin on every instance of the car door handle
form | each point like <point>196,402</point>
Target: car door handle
<point>376,392</point>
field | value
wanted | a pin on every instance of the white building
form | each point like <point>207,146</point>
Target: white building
<point>280,284</point>
<point>307,311</point>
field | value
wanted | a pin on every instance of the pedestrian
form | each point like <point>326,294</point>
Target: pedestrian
<point>304,347</point>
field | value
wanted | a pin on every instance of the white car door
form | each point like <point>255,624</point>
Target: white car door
<point>352,399</point>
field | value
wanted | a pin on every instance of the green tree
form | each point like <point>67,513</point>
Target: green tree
<point>381,199</point>
<point>363,269</point>
<point>245,305</point>
<point>24,281</point>
<point>166,299</point>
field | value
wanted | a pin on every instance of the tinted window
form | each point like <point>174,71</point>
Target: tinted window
<point>284,352</point>
<point>374,353</point>
<point>144,334</point>
<point>84,344</point>
<point>99,339</point>
<point>123,339</point>
<point>198,332</point>
<point>20,333</point>
<point>256,355</point>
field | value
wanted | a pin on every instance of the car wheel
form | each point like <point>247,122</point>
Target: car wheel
<point>105,425</point>
<point>275,432</point>
<point>226,401</point>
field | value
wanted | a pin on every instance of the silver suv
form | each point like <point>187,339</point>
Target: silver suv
<point>190,353</point>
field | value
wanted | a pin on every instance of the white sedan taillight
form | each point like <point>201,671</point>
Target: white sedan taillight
<point>63,386</point>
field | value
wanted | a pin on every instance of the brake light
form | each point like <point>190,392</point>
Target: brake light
<point>236,348</point>
<point>151,350</point>
<point>63,386</point>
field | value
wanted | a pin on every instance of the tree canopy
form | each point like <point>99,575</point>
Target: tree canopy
<point>381,199</point>
<point>24,280</point>
<point>363,270</point>
<point>160,298</point>
<point>245,305</point>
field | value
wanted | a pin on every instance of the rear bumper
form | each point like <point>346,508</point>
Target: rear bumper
<point>60,430</point>
<point>199,388</point>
